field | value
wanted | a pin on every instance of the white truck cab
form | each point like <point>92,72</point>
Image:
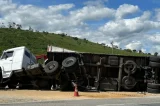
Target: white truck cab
<point>15,59</point>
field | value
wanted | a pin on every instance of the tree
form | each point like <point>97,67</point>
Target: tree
<point>62,34</point>
<point>116,46</point>
<point>128,50</point>
<point>85,40</point>
<point>19,26</point>
<point>30,28</point>
<point>156,54</point>
<point>9,25</point>
<point>2,25</point>
<point>140,51</point>
<point>75,38</point>
<point>134,50</point>
<point>13,24</point>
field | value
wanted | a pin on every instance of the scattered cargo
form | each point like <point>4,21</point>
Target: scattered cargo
<point>61,68</point>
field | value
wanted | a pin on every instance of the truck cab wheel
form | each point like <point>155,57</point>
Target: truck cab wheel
<point>51,67</point>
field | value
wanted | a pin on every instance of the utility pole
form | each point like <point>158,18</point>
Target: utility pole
<point>112,46</point>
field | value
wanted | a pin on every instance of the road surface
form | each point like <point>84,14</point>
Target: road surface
<point>145,101</point>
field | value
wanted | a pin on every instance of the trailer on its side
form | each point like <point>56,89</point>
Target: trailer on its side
<point>106,71</point>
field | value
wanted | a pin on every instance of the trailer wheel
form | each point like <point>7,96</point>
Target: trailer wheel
<point>154,64</point>
<point>150,90</point>
<point>128,82</point>
<point>130,67</point>
<point>154,59</point>
<point>69,62</point>
<point>51,67</point>
<point>153,86</point>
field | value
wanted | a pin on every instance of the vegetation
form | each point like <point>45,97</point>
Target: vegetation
<point>37,42</point>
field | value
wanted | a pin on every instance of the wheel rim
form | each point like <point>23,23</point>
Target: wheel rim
<point>128,82</point>
<point>70,62</point>
<point>130,67</point>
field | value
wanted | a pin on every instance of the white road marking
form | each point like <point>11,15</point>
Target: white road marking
<point>111,105</point>
<point>128,104</point>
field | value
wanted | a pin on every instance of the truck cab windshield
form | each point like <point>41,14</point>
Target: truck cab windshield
<point>7,54</point>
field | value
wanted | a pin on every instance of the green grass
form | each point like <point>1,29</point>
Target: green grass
<point>37,42</point>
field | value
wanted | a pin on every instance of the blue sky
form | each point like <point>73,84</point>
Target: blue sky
<point>130,24</point>
<point>143,4</point>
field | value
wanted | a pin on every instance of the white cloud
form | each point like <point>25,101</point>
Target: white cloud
<point>49,19</point>
<point>137,45</point>
<point>97,3</point>
<point>57,8</point>
<point>125,9</point>
<point>92,13</point>
<point>129,33</point>
<point>155,38</point>
<point>128,27</point>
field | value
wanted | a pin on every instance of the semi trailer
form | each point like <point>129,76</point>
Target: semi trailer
<point>62,68</point>
<point>106,72</point>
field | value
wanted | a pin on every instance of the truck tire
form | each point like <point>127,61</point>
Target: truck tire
<point>128,82</point>
<point>150,90</point>
<point>155,59</point>
<point>51,67</point>
<point>130,67</point>
<point>154,64</point>
<point>153,86</point>
<point>69,62</point>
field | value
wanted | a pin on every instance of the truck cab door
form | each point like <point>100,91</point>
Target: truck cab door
<point>6,64</point>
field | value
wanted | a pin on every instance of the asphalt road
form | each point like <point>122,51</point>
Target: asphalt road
<point>149,101</point>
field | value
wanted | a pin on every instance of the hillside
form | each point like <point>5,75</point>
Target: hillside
<point>37,42</point>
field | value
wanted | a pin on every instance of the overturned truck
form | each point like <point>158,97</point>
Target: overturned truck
<point>63,68</point>
<point>106,72</point>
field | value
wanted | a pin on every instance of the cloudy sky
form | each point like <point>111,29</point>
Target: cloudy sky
<point>133,24</point>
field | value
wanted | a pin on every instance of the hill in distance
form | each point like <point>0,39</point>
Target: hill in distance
<point>37,42</point>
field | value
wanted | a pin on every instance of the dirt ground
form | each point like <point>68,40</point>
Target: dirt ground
<point>12,96</point>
